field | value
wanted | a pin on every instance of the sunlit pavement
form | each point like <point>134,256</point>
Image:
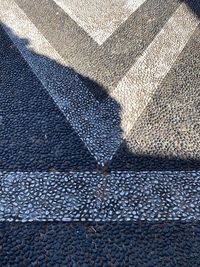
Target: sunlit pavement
<point>99,133</point>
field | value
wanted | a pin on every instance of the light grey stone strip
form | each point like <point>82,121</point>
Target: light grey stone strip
<point>91,196</point>
<point>106,64</point>
<point>100,126</point>
<point>96,125</point>
<point>135,90</point>
<point>99,19</point>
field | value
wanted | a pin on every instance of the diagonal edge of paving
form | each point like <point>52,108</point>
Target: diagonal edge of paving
<point>144,78</point>
<point>111,59</point>
<point>92,196</point>
<point>97,24</point>
<point>98,131</point>
<point>99,125</point>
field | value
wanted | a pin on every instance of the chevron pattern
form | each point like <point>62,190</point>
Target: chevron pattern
<point>82,110</point>
<point>115,83</point>
<point>100,22</point>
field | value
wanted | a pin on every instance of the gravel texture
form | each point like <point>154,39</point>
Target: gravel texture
<point>104,64</point>
<point>139,244</point>
<point>34,134</point>
<point>57,206</point>
<point>167,134</point>
<point>120,196</point>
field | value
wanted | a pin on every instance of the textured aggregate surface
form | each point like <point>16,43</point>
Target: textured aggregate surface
<point>98,125</point>
<point>118,196</point>
<point>58,207</point>
<point>138,244</point>
<point>167,134</point>
<point>34,134</point>
<point>97,20</point>
<point>108,63</point>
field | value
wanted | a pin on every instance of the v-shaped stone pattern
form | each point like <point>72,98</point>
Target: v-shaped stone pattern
<point>99,124</point>
<point>99,19</point>
<point>108,63</point>
<point>34,133</point>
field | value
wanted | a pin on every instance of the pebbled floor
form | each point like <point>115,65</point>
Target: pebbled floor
<point>46,170</point>
<point>135,244</point>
